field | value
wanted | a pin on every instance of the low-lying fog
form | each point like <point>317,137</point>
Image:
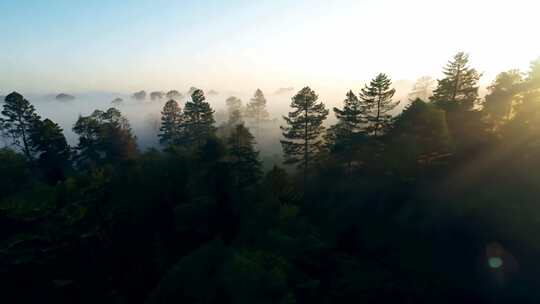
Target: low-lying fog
<point>144,115</point>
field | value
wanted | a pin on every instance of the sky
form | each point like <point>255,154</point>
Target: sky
<point>122,46</point>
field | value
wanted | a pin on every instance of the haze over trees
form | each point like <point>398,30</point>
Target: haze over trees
<point>64,97</point>
<point>174,94</point>
<point>140,95</point>
<point>157,95</point>
<point>437,203</point>
<point>423,88</point>
<point>256,111</point>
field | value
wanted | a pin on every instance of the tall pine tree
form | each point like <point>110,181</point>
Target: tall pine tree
<point>458,90</point>
<point>171,124</point>
<point>378,104</point>
<point>457,94</point>
<point>19,118</point>
<point>303,130</point>
<point>198,124</point>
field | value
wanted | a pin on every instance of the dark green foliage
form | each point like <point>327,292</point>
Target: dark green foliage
<point>345,136</point>
<point>378,104</point>
<point>243,159</point>
<point>171,124</point>
<point>419,136</point>
<point>19,118</point>
<point>198,122</point>
<point>304,129</point>
<point>104,137</point>
<point>14,172</point>
<point>439,209</point>
<point>51,148</point>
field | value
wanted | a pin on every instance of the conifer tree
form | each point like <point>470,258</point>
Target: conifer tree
<point>304,128</point>
<point>457,94</point>
<point>51,148</point>
<point>345,134</point>
<point>171,122</point>
<point>378,103</point>
<point>244,160</point>
<point>198,122</point>
<point>234,110</point>
<point>19,118</point>
<point>458,90</point>
<point>256,111</point>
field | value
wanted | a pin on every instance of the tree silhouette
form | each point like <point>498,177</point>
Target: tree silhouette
<point>244,160</point>
<point>256,111</point>
<point>141,95</point>
<point>304,129</point>
<point>344,136</point>
<point>502,96</point>
<point>174,94</point>
<point>198,123</point>
<point>157,95</point>
<point>378,103</point>
<point>234,111</point>
<point>19,118</point>
<point>459,87</point>
<point>104,137</point>
<point>51,148</point>
<point>171,124</point>
<point>457,94</point>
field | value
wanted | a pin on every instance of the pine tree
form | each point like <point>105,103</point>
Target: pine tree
<point>198,124</point>
<point>171,122</point>
<point>234,111</point>
<point>19,118</point>
<point>304,129</point>
<point>345,134</point>
<point>244,160</point>
<point>457,94</point>
<point>458,90</point>
<point>256,111</point>
<point>378,103</point>
<point>50,145</point>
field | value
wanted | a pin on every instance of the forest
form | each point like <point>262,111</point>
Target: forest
<point>438,203</point>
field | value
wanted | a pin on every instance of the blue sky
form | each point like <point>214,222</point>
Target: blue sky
<point>60,45</point>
